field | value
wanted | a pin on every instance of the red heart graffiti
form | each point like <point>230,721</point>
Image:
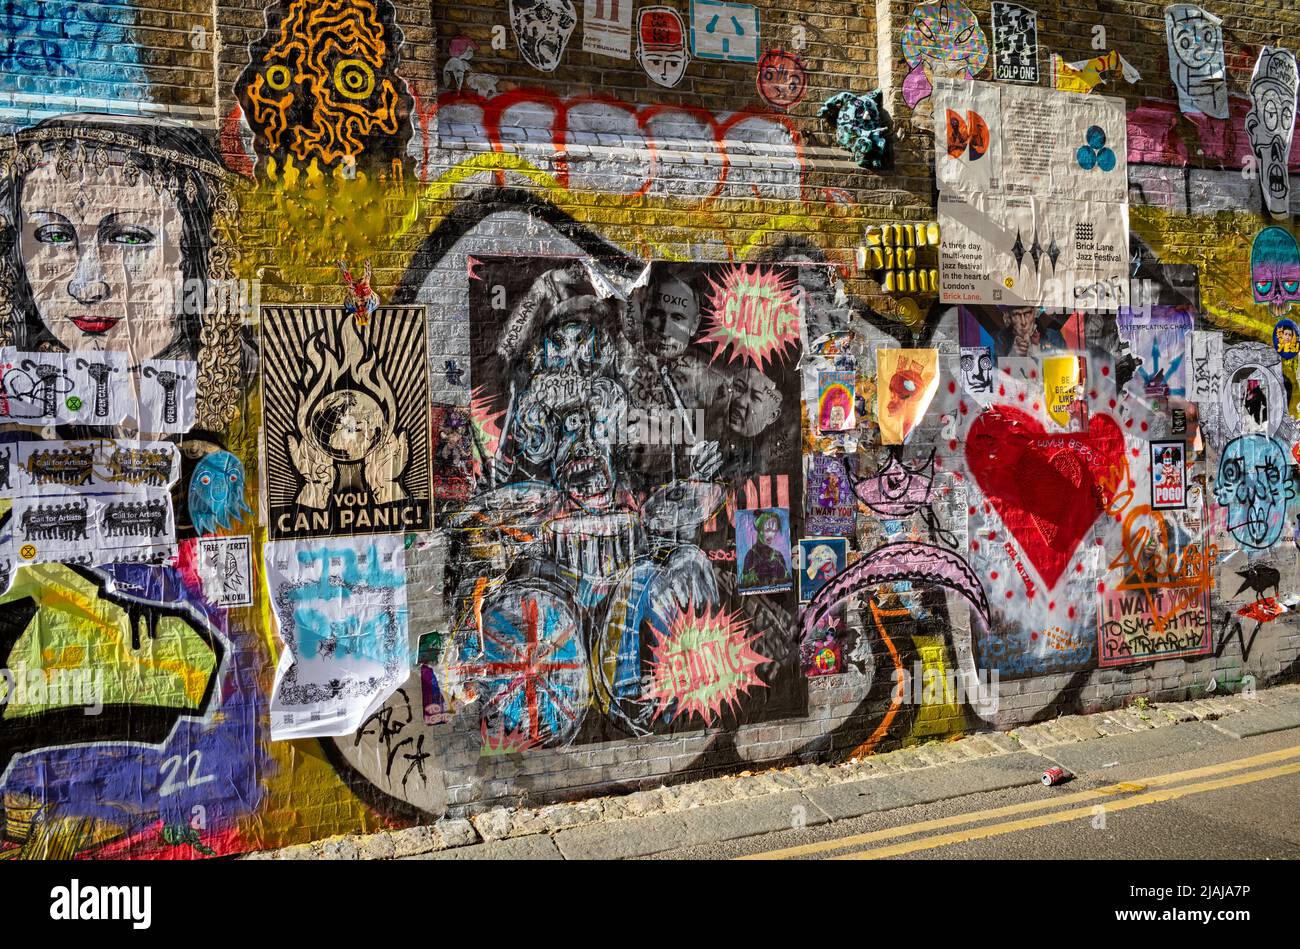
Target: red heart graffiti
<point>1047,488</point>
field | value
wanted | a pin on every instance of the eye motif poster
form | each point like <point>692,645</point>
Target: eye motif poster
<point>347,421</point>
<point>1033,196</point>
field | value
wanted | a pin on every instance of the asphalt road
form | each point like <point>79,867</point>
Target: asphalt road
<point>1238,799</point>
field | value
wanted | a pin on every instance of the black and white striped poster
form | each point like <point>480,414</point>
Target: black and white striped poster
<point>346,421</point>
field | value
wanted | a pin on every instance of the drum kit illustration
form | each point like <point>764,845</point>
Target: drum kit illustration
<point>557,609</point>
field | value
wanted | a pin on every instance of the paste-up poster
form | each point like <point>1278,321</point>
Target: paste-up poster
<point>662,45</point>
<point>1207,366</point>
<point>1155,622</point>
<point>820,560</point>
<point>822,652</point>
<point>1033,203</point>
<point>542,29</point>
<point>1161,351</point>
<point>91,388</point>
<point>763,551</point>
<point>607,28</point>
<point>103,466</point>
<point>1168,475</point>
<point>835,402</point>
<point>340,610</point>
<point>453,453</point>
<point>225,567</point>
<point>725,31</point>
<point>1196,64</point>
<point>346,421</point>
<point>93,528</point>
<point>832,505</point>
<point>1064,380</point>
<point>906,383</point>
<point>1015,43</point>
<point>167,390</point>
<point>977,373</point>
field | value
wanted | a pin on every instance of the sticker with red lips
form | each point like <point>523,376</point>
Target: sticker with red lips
<point>1047,488</point>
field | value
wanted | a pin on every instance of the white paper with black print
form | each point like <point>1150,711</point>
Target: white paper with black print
<point>39,467</point>
<point>167,396</point>
<point>89,388</point>
<point>92,528</point>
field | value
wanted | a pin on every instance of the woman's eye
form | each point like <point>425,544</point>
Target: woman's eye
<point>55,234</point>
<point>130,236</point>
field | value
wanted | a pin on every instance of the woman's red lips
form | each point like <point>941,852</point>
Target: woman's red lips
<point>95,324</point>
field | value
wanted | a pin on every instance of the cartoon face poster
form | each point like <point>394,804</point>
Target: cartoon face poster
<point>835,405</point>
<point>1168,475</point>
<point>820,559</point>
<point>763,550</point>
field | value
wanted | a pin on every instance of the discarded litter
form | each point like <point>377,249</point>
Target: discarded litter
<point>1053,776</point>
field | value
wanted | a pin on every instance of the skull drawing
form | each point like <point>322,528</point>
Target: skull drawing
<point>1255,484</point>
<point>1271,123</point>
<point>542,30</point>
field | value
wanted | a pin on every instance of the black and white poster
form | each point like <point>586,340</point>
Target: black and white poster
<point>347,421</point>
<point>1015,43</point>
<point>226,568</point>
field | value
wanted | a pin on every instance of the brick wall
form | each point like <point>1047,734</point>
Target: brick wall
<point>426,141</point>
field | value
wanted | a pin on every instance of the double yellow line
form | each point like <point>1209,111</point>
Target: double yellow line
<point>1138,795</point>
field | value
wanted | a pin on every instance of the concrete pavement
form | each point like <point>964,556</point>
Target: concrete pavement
<point>744,813</point>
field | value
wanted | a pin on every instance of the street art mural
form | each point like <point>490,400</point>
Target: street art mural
<point>435,428</point>
<point>322,85</point>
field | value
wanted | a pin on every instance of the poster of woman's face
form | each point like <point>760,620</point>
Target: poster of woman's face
<point>117,235</point>
<point>102,257</point>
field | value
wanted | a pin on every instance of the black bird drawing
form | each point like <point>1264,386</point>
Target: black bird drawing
<point>1259,579</point>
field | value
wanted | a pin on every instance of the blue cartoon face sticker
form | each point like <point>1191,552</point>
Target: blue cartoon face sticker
<point>1255,484</point>
<point>217,493</point>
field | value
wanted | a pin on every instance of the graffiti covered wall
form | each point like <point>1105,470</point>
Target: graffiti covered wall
<point>406,410</point>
